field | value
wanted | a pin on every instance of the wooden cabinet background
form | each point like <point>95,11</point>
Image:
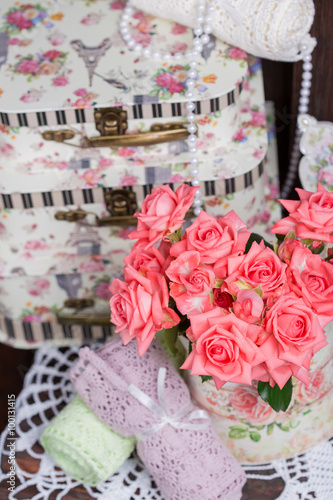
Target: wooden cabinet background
<point>283,83</point>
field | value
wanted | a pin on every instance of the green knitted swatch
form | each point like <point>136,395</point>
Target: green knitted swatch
<point>83,446</point>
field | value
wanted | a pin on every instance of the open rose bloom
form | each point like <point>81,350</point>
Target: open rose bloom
<point>252,312</point>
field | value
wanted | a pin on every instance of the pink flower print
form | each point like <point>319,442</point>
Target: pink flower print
<point>126,152</point>
<point>248,405</point>
<point>236,53</point>
<point>143,39</point>
<point>117,5</point>
<point>62,165</point>
<point>42,283</point>
<point>92,266</point>
<point>325,175</point>
<point>80,92</point>
<point>47,68</point>
<point>178,47</point>
<point>178,29</point>
<point>128,180</point>
<point>164,80</point>
<point>102,291</point>
<point>82,103</point>
<point>91,19</point>
<point>123,233</point>
<point>35,245</point>
<point>51,54</point>
<point>18,19</point>
<point>28,97</point>
<point>105,162</point>
<point>259,154</point>
<point>144,25</point>
<point>27,66</point>
<point>138,15</point>
<point>91,177</point>
<point>312,392</point>
<point>258,119</point>
<point>60,81</point>
<point>7,149</point>
<point>239,136</point>
<point>13,41</point>
<point>176,178</point>
<point>31,317</point>
<point>56,38</point>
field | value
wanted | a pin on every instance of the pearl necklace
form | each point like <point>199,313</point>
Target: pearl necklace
<point>201,31</point>
<point>303,107</point>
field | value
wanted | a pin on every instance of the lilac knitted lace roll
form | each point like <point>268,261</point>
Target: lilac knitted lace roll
<point>185,457</point>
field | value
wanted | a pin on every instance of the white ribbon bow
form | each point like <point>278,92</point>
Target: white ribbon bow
<point>177,419</point>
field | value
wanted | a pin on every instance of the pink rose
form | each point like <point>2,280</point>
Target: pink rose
<point>258,118</point>
<point>236,53</point>
<point>143,39</point>
<point>35,292</point>
<point>164,80</point>
<point>91,266</point>
<point>57,38</point>
<point>239,135</point>
<point>178,47</point>
<point>42,283</point>
<point>222,348</point>
<point>19,20</point>
<point>140,309</point>
<point>60,81</point>
<point>178,29</point>
<point>191,284</point>
<point>144,25</point>
<point>163,212</point>
<point>249,406</point>
<point>51,54</point>
<point>214,239</point>
<point>35,245</point>
<point>311,218</point>
<point>62,165</point>
<point>312,279</point>
<point>31,317</point>
<point>128,180</point>
<point>81,103</point>
<point>296,335</point>
<point>105,162</point>
<point>222,299</point>
<point>80,92</point>
<point>27,66</point>
<point>288,246</point>
<point>259,267</point>
<point>28,97</point>
<point>7,149</point>
<point>175,86</point>
<point>13,41</point>
<point>91,177</point>
<point>117,5</point>
<point>102,291</point>
<point>249,306</point>
<point>145,260</point>
<point>313,391</point>
<point>47,68</point>
<point>125,152</point>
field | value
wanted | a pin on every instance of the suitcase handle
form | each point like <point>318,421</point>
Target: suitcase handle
<point>158,134</point>
<point>81,318</point>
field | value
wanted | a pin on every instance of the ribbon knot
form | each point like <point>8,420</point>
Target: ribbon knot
<point>182,419</point>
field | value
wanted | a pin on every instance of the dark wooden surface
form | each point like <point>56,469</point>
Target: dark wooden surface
<point>282,85</point>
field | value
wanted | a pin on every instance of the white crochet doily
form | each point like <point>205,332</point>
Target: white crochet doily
<point>47,388</point>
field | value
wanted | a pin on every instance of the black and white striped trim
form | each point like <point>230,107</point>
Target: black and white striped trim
<point>36,332</point>
<point>139,110</point>
<point>219,187</point>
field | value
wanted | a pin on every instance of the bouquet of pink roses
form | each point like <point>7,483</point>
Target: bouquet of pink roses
<point>253,312</point>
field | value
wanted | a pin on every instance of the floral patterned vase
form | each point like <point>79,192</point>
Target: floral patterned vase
<point>254,432</point>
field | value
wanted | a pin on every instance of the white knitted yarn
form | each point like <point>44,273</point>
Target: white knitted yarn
<point>272,29</point>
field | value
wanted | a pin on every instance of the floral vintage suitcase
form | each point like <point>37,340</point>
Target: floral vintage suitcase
<point>88,126</point>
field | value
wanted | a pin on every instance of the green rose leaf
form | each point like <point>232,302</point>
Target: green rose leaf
<point>256,237</point>
<point>171,335</point>
<point>204,378</point>
<point>278,399</point>
<point>255,436</point>
<point>237,432</point>
<point>270,429</point>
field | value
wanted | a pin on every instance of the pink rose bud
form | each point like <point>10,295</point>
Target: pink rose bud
<point>222,299</point>
<point>249,306</point>
<point>287,248</point>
